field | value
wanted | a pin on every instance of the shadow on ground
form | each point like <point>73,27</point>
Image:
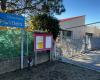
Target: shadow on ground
<point>52,71</point>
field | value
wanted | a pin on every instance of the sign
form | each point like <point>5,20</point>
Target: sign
<point>43,41</point>
<point>48,42</point>
<point>39,42</point>
<point>12,20</point>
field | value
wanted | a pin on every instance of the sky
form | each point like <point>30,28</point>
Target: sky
<point>89,8</point>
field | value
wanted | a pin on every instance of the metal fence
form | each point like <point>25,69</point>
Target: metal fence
<point>10,49</point>
<point>78,40</point>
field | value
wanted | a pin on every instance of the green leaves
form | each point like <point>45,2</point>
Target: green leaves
<point>33,6</point>
<point>3,4</point>
<point>9,43</point>
<point>45,22</point>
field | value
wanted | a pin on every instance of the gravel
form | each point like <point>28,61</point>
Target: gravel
<point>52,71</point>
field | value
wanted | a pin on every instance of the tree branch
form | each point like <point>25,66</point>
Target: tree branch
<point>32,7</point>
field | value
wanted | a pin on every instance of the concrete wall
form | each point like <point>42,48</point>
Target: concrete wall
<point>94,30</point>
<point>73,24</point>
<point>78,32</point>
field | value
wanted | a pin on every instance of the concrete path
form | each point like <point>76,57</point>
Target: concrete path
<point>90,60</point>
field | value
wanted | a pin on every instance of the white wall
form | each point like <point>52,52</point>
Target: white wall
<point>94,30</point>
<point>74,25</point>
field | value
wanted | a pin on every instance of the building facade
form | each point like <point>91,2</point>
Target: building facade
<point>76,30</point>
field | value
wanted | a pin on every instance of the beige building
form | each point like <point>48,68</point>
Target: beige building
<point>75,28</point>
<point>93,30</point>
<point>75,33</point>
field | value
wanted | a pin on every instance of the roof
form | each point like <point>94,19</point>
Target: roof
<point>67,19</point>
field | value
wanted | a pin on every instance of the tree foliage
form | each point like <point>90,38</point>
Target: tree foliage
<point>9,43</point>
<point>45,22</point>
<point>32,6</point>
<point>44,8</point>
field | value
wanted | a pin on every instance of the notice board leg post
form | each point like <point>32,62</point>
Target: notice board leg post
<point>55,51</point>
<point>50,55</point>
<point>35,58</point>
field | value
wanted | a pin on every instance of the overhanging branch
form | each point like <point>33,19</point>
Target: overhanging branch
<point>32,7</point>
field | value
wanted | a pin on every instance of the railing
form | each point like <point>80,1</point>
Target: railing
<point>10,49</point>
<point>83,39</point>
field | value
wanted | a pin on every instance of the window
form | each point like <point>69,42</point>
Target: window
<point>67,33</point>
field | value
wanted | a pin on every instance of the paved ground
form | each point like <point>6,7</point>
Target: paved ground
<point>90,60</point>
<point>53,71</point>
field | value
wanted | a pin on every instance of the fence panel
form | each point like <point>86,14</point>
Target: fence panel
<point>82,39</point>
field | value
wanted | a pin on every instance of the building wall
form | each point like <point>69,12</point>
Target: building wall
<point>72,22</point>
<point>79,30</point>
<point>94,43</point>
<point>74,25</point>
<point>94,30</point>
